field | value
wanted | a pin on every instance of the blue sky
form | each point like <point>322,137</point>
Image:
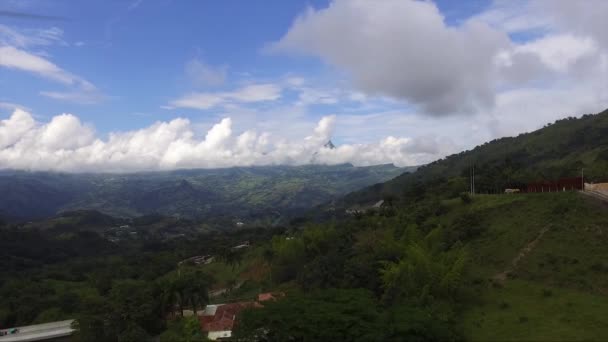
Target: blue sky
<point>435,76</point>
<point>135,52</point>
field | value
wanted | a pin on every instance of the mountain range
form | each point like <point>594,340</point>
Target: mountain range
<point>238,193</point>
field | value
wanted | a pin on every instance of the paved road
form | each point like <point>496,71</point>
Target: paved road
<point>601,195</point>
<point>40,332</point>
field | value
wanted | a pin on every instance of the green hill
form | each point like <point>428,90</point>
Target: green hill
<point>440,264</point>
<point>526,267</point>
<point>540,260</point>
<point>557,150</point>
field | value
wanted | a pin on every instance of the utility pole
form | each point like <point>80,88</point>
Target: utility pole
<point>582,179</point>
<point>472,179</point>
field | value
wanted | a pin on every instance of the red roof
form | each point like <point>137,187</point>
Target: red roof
<point>224,317</point>
<point>262,297</point>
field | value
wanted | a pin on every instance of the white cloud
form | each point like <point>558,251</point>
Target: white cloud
<point>66,144</point>
<point>402,49</point>
<point>546,17</point>
<point>14,56</point>
<point>515,16</point>
<point>15,127</point>
<point>30,37</point>
<point>405,62</point>
<point>12,106</point>
<point>559,52</point>
<point>84,96</point>
<point>204,74</point>
<point>308,96</point>
<point>247,94</point>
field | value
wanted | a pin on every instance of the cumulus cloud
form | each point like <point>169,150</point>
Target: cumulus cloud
<point>567,48</point>
<point>66,144</point>
<point>580,18</point>
<point>247,94</point>
<point>402,49</point>
<point>559,52</point>
<point>587,18</point>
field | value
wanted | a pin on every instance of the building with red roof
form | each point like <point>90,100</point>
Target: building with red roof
<point>219,320</point>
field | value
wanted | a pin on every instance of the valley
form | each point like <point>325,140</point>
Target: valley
<point>220,196</point>
<point>417,257</point>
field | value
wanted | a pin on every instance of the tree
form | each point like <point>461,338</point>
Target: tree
<point>94,322</point>
<point>197,289</point>
<point>389,199</point>
<point>169,296</point>
<point>189,288</point>
<point>326,315</point>
<point>289,258</point>
<point>133,333</point>
<point>425,272</point>
<point>185,329</point>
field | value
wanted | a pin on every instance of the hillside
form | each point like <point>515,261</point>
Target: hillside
<point>557,150</point>
<point>236,193</point>
<point>426,271</point>
<point>528,267</point>
<point>553,249</point>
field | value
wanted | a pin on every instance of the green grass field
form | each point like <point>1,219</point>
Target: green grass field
<point>529,311</point>
<point>557,291</point>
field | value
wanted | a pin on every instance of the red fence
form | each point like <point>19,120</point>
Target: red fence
<point>563,184</point>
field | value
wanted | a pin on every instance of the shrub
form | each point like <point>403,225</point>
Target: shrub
<point>465,197</point>
<point>466,228</point>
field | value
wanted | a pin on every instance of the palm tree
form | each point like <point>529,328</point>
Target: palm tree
<point>172,293</point>
<point>196,289</point>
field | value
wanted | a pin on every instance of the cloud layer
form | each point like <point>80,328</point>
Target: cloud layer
<point>66,144</point>
<point>406,85</point>
<point>406,50</point>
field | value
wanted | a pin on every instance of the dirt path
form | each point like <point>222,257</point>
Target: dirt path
<point>502,276</point>
<point>599,195</point>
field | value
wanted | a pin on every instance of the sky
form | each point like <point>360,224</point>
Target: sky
<point>137,85</point>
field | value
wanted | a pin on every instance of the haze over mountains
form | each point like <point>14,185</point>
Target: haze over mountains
<point>235,193</point>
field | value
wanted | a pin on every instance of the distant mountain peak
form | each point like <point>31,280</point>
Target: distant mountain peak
<point>330,145</point>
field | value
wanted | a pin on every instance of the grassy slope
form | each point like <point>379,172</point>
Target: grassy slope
<point>558,150</point>
<point>557,291</point>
